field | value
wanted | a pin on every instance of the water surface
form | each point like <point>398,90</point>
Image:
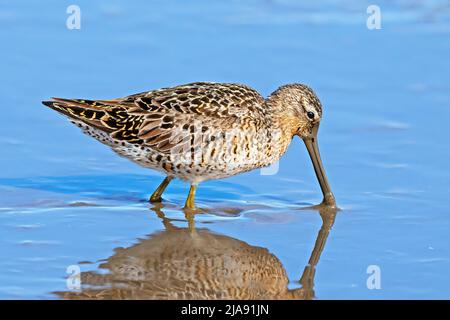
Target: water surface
<point>66,200</point>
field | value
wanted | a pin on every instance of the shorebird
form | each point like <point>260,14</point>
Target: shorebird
<point>203,130</point>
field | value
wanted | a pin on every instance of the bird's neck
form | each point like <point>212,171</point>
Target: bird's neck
<point>280,129</point>
<point>282,116</point>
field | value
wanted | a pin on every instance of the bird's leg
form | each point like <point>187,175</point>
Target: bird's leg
<point>190,201</point>
<point>156,196</point>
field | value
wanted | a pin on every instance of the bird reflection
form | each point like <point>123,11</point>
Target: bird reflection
<point>195,263</point>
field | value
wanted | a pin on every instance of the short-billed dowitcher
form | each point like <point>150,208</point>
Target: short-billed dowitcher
<point>202,131</point>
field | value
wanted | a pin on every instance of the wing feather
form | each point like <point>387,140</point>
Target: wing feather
<point>166,119</point>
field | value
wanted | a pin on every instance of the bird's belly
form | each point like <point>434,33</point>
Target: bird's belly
<point>194,168</point>
<point>203,164</point>
<point>217,160</point>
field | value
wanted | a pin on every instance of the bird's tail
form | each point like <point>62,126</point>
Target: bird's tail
<point>88,111</point>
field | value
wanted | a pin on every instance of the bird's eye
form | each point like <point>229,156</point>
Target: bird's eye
<point>310,115</point>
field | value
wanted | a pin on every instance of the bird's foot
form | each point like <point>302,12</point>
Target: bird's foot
<point>155,199</point>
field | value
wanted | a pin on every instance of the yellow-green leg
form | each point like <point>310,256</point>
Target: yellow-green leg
<point>190,201</point>
<point>156,196</point>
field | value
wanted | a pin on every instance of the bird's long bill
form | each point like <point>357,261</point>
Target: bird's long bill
<point>313,150</point>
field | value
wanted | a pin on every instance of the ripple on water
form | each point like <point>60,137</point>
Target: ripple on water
<point>39,242</point>
<point>29,226</point>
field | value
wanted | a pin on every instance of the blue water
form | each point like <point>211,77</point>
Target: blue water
<point>67,200</point>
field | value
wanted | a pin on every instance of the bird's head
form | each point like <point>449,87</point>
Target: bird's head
<point>298,104</point>
<point>301,112</point>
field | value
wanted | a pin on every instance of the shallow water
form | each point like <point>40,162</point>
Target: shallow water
<point>66,200</point>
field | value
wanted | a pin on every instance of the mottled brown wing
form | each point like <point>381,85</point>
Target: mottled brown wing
<point>167,118</point>
<point>176,115</point>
